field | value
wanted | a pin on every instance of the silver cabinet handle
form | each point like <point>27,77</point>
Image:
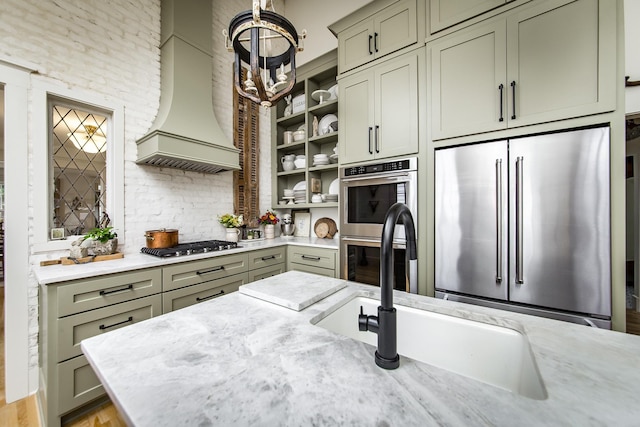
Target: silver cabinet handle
<point>519,218</point>
<point>377,139</point>
<point>370,149</point>
<point>499,220</point>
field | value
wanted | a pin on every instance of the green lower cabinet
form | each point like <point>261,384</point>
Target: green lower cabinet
<point>264,272</point>
<point>313,260</point>
<point>184,297</point>
<point>78,384</point>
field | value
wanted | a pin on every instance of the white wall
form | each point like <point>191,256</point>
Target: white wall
<point>315,17</point>
<point>111,50</point>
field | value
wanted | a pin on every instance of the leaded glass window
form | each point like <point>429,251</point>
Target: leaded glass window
<point>78,158</point>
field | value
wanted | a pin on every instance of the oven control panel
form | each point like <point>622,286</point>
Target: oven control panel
<point>393,166</point>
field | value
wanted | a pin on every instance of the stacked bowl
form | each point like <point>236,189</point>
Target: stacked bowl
<point>320,159</point>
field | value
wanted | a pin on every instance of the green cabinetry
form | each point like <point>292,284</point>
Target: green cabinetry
<point>387,30</point>
<point>313,260</point>
<point>319,74</point>
<point>380,109</point>
<point>541,62</point>
<point>73,311</point>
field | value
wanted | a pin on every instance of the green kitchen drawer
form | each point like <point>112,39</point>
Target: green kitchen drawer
<point>312,269</point>
<point>73,329</point>
<point>315,257</point>
<point>266,257</point>
<point>87,294</point>
<point>264,272</point>
<point>192,273</point>
<point>184,297</point>
<point>77,384</point>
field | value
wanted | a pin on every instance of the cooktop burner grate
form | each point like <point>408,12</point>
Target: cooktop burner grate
<point>190,248</point>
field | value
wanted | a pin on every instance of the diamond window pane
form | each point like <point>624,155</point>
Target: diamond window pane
<point>78,157</point>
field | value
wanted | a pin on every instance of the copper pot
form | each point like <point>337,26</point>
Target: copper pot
<point>160,239</point>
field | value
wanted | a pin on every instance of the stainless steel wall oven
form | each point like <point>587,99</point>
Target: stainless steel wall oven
<point>368,191</point>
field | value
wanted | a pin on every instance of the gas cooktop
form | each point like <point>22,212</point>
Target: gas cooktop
<point>190,248</point>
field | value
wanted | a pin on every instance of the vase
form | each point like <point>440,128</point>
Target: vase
<point>269,231</point>
<point>232,235</point>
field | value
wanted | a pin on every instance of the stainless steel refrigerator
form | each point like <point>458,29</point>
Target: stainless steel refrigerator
<point>524,224</point>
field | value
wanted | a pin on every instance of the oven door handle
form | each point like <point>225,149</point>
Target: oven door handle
<point>394,177</point>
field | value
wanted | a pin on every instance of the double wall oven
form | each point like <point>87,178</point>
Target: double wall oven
<point>368,191</point>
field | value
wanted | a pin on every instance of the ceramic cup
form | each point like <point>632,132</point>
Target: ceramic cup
<point>288,137</point>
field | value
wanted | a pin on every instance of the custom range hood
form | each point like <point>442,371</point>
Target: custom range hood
<point>186,134</point>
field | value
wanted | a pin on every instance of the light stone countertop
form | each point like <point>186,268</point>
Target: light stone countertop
<point>239,360</point>
<point>136,261</point>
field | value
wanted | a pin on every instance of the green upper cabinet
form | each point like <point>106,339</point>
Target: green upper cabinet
<point>445,13</point>
<point>542,62</point>
<point>388,30</point>
<point>379,110</point>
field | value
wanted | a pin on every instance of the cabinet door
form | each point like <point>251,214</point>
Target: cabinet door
<point>558,60</point>
<point>395,28</point>
<point>396,106</point>
<point>471,226</point>
<point>77,385</point>
<point>355,115</point>
<point>355,46</point>
<point>468,82</point>
<point>445,13</point>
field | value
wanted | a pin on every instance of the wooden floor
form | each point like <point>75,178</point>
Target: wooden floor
<point>24,413</point>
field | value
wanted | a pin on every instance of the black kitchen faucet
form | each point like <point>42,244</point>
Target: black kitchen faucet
<point>384,324</point>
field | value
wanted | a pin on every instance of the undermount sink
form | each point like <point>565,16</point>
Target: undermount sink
<point>492,354</point>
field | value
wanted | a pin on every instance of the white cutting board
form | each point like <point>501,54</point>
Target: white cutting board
<point>294,289</point>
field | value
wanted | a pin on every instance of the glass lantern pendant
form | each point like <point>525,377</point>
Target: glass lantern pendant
<point>266,44</point>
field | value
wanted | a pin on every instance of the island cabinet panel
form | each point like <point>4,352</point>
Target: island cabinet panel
<point>189,295</point>
<point>195,272</point>
<point>267,257</point>
<point>82,295</point>
<point>73,329</point>
<point>312,260</point>
<point>379,112</point>
<point>78,384</point>
<point>388,30</point>
<point>541,62</point>
<point>264,272</point>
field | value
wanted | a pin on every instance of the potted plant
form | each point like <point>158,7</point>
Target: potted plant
<point>101,241</point>
<point>269,220</point>
<point>231,222</point>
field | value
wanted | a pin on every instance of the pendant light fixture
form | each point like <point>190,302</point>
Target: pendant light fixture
<point>266,43</point>
<point>91,139</point>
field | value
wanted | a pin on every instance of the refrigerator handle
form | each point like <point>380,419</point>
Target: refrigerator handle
<point>498,220</point>
<point>519,217</point>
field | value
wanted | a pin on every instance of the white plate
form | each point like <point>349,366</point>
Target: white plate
<point>333,90</point>
<point>335,186</point>
<point>302,185</point>
<point>323,125</point>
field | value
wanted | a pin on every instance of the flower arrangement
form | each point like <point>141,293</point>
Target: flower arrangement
<point>230,220</point>
<point>269,218</point>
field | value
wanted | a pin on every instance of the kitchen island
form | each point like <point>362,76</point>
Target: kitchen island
<point>241,360</point>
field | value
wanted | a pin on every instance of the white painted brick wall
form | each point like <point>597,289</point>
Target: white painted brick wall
<point>111,48</point>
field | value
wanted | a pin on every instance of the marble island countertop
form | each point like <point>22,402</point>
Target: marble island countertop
<point>240,360</point>
<point>136,261</point>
